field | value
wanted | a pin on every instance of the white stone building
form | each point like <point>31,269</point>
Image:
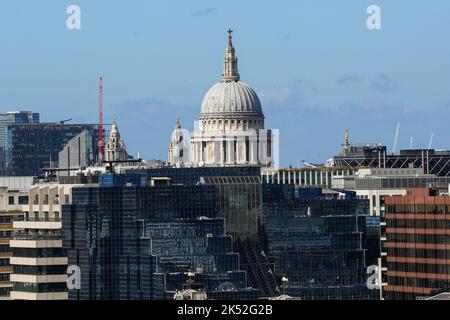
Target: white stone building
<point>231,130</point>
<point>176,150</point>
<point>115,149</point>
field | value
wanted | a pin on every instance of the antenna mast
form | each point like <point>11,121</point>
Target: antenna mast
<point>101,152</point>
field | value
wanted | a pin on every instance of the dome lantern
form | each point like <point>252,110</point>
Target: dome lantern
<point>231,97</point>
<point>230,68</point>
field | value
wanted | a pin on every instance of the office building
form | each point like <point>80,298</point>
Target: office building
<point>375,184</point>
<point>418,242</point>
<point>308,177</point>
<point>321,247</point>
<point>7,119</point>
<point>432,161</point>
<point>13,194</point>
<point>46,140</point>
<point>79,152</point>
<point>145,234</point>
<point>39,261</point>
<point>237,193</point>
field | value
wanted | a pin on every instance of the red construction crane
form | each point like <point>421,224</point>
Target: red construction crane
<point>101,142</point>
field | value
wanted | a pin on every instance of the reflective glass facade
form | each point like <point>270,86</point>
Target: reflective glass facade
<point>46,140</point>
<point>149,233</point>
<point>322,246</point>
<point>238,201</point>
<point>6,120</point>
<point>133,240</point>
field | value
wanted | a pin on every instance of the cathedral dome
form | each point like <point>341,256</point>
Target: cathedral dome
<point>230,131</point>
<point>231,96</point>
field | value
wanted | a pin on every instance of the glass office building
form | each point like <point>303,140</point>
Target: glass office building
<point>191,176</point>
<point>46,140</point>
<point>148,233</point>
<point>237,197</point>
<point>322,246</point>
<point>238,201</point>
<point>6,120</point>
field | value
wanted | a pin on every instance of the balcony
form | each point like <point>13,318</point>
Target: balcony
<point>38,278</point>
<point>53,261</point>
<point>37,219</point>
<point>38,223</point>
<point>49,242</point>
<point>5,254</point>
<point>21,295</point>
<point>22,235</point>
<point>6,284</point>
<point>5,226</point>
<point>8,269</point>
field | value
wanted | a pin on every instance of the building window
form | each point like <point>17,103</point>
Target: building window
<point>23,199</point>
<point>11,200</point>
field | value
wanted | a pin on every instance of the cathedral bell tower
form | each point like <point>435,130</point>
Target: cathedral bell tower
<point>115,149</point>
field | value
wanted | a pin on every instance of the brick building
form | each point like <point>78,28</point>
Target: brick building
<point>418,244</point>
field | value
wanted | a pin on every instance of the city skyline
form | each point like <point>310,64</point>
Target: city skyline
<point>242,153</point>
<point>156,68</point>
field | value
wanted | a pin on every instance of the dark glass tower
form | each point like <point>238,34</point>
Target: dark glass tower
<point>46,140</point>
<point>321,246</point>
<point>148,233</point>
<point>6,120</point>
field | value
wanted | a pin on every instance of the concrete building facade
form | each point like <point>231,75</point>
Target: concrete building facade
<point>39,261</point>
<point>13,194</point>
<point>78,152</point>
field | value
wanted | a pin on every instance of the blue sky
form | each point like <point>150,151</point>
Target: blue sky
<point>315,65</point>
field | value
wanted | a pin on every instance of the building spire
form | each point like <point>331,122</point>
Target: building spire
<point>114,125</point>
<point>115,148</point>
<point>230,69</point>
<point>177,124</point>
<point>347,139</point>
<point>230,38</point>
